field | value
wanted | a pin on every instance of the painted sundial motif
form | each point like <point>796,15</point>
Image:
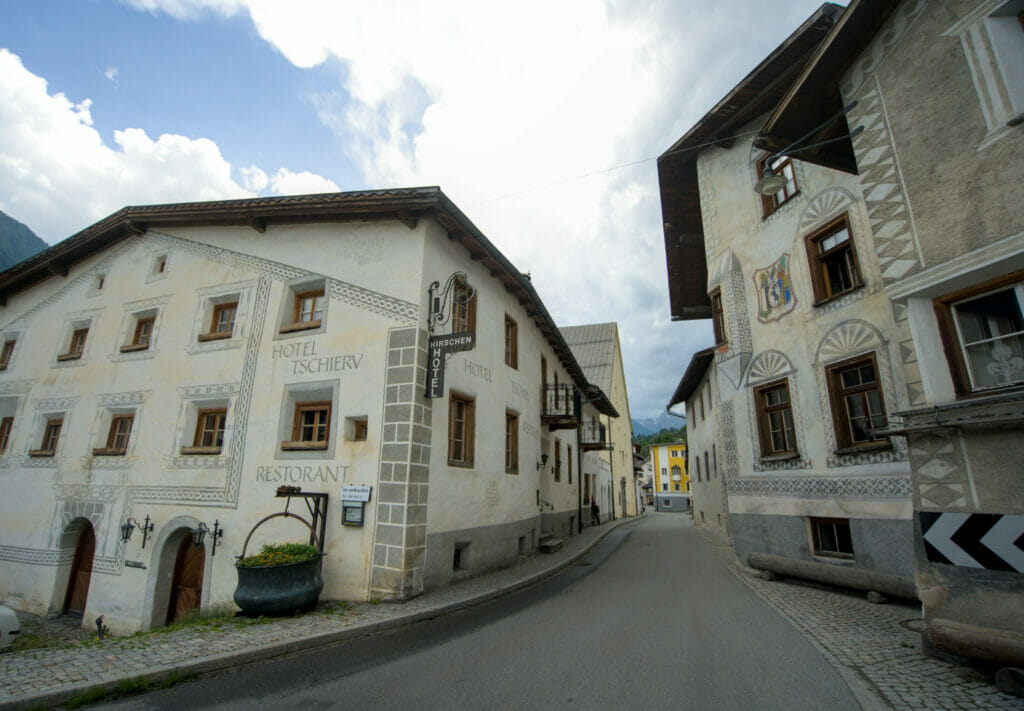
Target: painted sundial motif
<point>775,297</point>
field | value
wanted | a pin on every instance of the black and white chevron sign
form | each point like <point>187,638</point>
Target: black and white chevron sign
<point>990,541</point>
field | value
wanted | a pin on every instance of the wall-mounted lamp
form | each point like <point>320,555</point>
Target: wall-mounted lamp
<point>771,182</point>
<point>200,531</point>
<point>128,526</point>
<point>543,460</point>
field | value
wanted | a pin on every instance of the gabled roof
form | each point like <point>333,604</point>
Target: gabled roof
<point>814,96</point>
<point>699,364</point>
<point>758,92</point>
<point>407,205</point>
<point>593,346</point>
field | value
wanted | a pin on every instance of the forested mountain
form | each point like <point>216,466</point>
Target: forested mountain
<point>17,242</point>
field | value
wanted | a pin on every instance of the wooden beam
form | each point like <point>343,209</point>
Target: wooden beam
<point>56,268</point>
<point>136,228</point>
<point>259,224</point>
<point>407,219</point>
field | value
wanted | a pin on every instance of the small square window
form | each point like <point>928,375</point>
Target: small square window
<point>6,353</point>
<point>222,322</point>
<point>117,436</point>
<point>311,426</point>
<point>77,345</point>
<point>307,310</point>
<point>830,537</point>
<point>160,264</point>
<point>357,428</point>
<point>833,261</point>
<point>51,437</point>
<point>100,281</point>
<point>142,334</point>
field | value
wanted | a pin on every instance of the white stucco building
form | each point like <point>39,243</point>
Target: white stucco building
<point>177,364</point>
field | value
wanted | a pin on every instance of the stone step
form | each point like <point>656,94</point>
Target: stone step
<point>550,545</point>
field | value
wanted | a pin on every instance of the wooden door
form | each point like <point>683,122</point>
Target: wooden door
<point>187,584</point>
<point>81,571</point>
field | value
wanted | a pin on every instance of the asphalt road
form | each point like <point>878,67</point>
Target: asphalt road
<point>650,618</point>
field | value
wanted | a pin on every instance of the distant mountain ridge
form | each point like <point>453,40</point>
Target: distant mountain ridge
<point>654,425</point>
<point>17,242</point>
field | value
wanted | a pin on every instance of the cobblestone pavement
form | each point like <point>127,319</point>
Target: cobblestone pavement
<point>875,648</point>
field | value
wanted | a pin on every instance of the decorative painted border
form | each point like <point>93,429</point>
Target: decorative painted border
<point>889,487</point>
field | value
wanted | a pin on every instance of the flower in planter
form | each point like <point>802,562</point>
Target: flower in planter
<point>280,554</point>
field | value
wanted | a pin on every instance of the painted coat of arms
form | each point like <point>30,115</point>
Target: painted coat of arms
<point>775,296</point>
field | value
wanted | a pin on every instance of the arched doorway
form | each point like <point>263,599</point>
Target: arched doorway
<point>81,572</point>
<point>187,583</point>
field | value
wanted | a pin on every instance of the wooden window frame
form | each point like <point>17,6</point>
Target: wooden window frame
<point>841,535</point>
<point>216,332</point>
<point>360,429</point>
<point>463,311</point>
<point>511,343</point>
<point>950,334</point>
<point>771,203</point>
<point>51,438</point>
<point>118,435</point>
<point>764,421</point>
<point>817,261</point>
<point>6,425</point>
<point>141,338</point>
<point>838,393</point>
<point>76,347</point>
<point>568,459</point>
<point>718,317</point>
<point>199,435</point>
<point>511,443</point>
<point>461,448</point>
<point>7,352</point>
<point>319,298</point>
<point>298,426</point>
<point>557,469</point>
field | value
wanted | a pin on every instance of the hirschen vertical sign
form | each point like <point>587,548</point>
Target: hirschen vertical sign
<point>438,350</point>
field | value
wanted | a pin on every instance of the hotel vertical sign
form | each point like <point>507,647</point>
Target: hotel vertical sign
<point>441,302</point>
<point>438,350</point>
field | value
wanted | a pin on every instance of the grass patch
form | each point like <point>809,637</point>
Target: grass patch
<point>125,687</point>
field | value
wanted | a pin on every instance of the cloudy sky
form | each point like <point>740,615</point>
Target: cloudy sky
<point>541,120</point>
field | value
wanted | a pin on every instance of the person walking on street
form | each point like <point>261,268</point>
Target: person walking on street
<point>595,512</point>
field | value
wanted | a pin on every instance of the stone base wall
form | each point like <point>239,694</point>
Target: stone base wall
<point>883,545</point>
<point>481,549</point>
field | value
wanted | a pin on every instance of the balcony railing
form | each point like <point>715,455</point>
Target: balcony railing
<point>593,436</point>
<point>560,406</point>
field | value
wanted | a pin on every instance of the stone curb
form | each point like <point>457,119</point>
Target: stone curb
<point>219,662</point>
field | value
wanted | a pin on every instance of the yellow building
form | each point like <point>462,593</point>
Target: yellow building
<point>671,481</point>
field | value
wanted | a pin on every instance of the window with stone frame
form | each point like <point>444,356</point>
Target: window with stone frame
<point>208,437</point>
<point>718,317</point>
<point>6,425</point>
<point>558,461</point>
<point>982,331</point>
<point>780,166</point>
<point>117,436</point>
<point>222,321</point>
<point>858,405</point>
<point>830,537</point>
<point>141,333</point>
<point>76,346</point>
<point>461,430</point>
<point>511,443</point>
<point>511,343</point>
<point>311,426</point>
<point>51,438</point>
<point>776,432</point>
<point>832,258</point>
<point>7,352</point>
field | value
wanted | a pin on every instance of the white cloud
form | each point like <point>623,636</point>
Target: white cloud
<point>111,74</point>
<point>505,106</point>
